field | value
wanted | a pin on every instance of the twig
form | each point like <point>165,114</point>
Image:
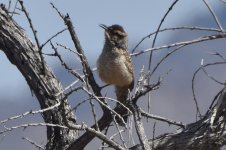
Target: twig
<point>176,28</point>
<point>77,75</point>
<point>98,134</point>
<point>155,37</point>
<point>33,143</point>
<point>164,58</point>
<point>120,135</point>
<point>104,104</point>
<point>164,17</point>
<point>9,5</point>
<point>55,35</point>
<point>180,124</point>
<point>113,136</point>
<point>118,102</point>
<point>185,43</point>
<point>214,15</point>
<point>103,143</point>
<point>209,76</point>
<point>79,104</point>
<point>67,48</point>
<point>94,114</point>
<point>75,127</point>
<point>14,9</point>
<point>213,102</point>
<point>31,125</point>
<point>153,136</point>
<point>153,44</point>
<point>142,92</point>
<point>193,83</point>
<point>218,54</point>
<point>30,112</point>
<point>59,13</point>
<point>105,139</point>
<point>68,87</point>
<point>34,33</point>
<point>219,108</point>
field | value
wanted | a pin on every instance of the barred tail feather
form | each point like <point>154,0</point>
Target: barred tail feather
<point>121,94</point>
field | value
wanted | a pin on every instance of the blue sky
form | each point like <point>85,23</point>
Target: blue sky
<point>137,17</point>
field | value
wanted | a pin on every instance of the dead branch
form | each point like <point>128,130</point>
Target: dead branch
<point>26,57</point>
<point>198,135</point>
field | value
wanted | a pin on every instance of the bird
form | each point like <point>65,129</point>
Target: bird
<point>115,66</point>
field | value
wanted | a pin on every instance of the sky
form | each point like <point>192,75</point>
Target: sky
<point>138,18</point>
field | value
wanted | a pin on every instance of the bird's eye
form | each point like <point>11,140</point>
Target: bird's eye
<point>118,33</point>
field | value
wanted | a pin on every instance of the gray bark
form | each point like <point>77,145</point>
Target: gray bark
<point>200,135</point>
<point>25,56</point>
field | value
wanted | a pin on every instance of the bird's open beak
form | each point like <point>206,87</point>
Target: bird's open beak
<point>103,26</point>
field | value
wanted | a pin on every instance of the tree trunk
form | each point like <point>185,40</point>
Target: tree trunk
<point>25,56</point>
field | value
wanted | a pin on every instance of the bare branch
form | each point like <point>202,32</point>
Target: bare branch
<point>214,15</point>
<point>55,35</point>
<point>218,54</point>
<point>153,136</point>
<point>185,43</point>
<point>103,104</point>
<point>33,143</point>
<point>155,37</point>
<point>180,124</point>
<point>208,75</point>
<point>34,33</point>
<point>140,129</point>
<point>176,28</point>
<point>30,125</point>
<point>198,113</point>
<point>29,113</point>
<point>94,114</point>
<point>77,75</point>
<point>21,52</point>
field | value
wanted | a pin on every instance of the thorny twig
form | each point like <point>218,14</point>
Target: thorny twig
<point>34,33</point>
<point>155,37</point>
<point>76,74</point>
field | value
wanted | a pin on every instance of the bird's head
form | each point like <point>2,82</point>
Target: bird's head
<point>115,35</point>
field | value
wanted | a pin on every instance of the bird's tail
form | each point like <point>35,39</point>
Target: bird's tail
<point>122,94</point>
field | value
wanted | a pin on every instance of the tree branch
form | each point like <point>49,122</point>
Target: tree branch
<point>25,55</point>
<point>198,135</point>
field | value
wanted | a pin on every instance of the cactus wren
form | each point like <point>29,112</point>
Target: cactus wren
<point>114,64</point>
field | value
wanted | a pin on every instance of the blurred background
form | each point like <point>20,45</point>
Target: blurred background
<point>173,100</point>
